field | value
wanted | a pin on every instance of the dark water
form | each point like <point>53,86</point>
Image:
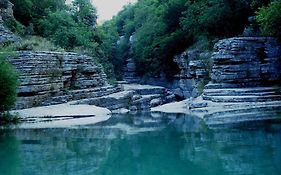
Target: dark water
<point>142,144</point>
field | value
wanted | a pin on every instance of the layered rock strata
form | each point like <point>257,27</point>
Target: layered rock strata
<point>245,83</point>
<point>6,9</point>
<point>130,74</point>
<point>247,61</point>
<point>133,97</point>
<point>51,77</point>
<point>194,73</point>
<point>6,36</point>
<point>6,13</point>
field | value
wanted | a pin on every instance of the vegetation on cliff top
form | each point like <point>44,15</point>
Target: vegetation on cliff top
<point>70,27</point>
<point>269,18</point>
<point>151,32</point>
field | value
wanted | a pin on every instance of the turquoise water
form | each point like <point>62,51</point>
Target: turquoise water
<point>142,144</point>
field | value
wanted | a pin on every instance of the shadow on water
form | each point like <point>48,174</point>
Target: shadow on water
<point>142,144</point>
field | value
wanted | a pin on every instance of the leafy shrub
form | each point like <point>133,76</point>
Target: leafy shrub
<point>15,26</point>
<point>163,29</point>
<point>37,43</point>
<point>7,118</point>
<point>269,19</point>
<point>8,84</point>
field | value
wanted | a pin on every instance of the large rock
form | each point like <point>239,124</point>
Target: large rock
<point>134,97</point>
<point>6,36</point>
<point>6,13</point>
<point>6,9</point>
<point>194,73</point>
<point>245,85</point>
<point>247,61</point>
<point>45,75</point>
<point>130,73</point>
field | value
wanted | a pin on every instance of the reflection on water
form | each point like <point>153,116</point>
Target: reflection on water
<point>143,144</point>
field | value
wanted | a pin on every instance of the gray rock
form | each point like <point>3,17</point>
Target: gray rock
<point>133,108</point>
<point>130,74</point>
<point>247,60</point>
<point>198,105</point>
<point>48,77</point>
<point>136,97</point>
<point>155,102</point>
<point>245,84</point>
<point>6,13</point>
<point>179,93</point>
<point>193,69</point>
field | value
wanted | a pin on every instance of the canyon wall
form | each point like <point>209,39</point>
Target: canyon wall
<point>6,13</point>
<point>194,68</point>
<point>49,77</point>
<point>247,61</point>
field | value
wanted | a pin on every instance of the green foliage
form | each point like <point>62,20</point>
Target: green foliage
<point>149,31</point>
<point>64,31</point>
<point>8,82</point>
<point>85,12</point>
<point>67,26</point>
<point>162,29</point>
<point>7,118</point>
<point>215,18</point>
<point>201,86</point>
<point>269,19</point>
<point>108,49</point>
<point>15,26</point>
<point>37,43</point>
<point>26,11</point>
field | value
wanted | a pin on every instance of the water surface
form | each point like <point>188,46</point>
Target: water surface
<point>142,144</point>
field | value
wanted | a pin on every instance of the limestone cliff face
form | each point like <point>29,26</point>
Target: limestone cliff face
<point>130,72</point>
<point>237,62</point>
<point>6,9</point>
<point>46,75</point>
<point>193,65</point>
<point>6,13</point>
<point>247,61</point>
<point>6,35</point>
<point>245,83</point>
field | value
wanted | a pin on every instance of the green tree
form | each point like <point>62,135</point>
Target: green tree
<point>269,19</point>
<point>27,11</point>
<point>8,84</point>
<point>85,12</point>
<point>64,31</point>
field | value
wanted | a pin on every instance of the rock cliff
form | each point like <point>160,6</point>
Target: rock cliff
<point>6,13</point>
<point>245,82</point>
<point>6,9</point>
<point>53,77</point>
<point>194,73</point>
<point>130,74</point>
<point>247,61</point>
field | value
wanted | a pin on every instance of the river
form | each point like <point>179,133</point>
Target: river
<point>142,144</point>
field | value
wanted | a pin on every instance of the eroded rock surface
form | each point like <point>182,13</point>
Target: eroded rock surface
<point>133,97</point>
<point>130,74</point>
<point>6,13</point>
<point>245,84</point>
<point>247,61</point>
<point>47,78</point>
<point>194,73</point>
